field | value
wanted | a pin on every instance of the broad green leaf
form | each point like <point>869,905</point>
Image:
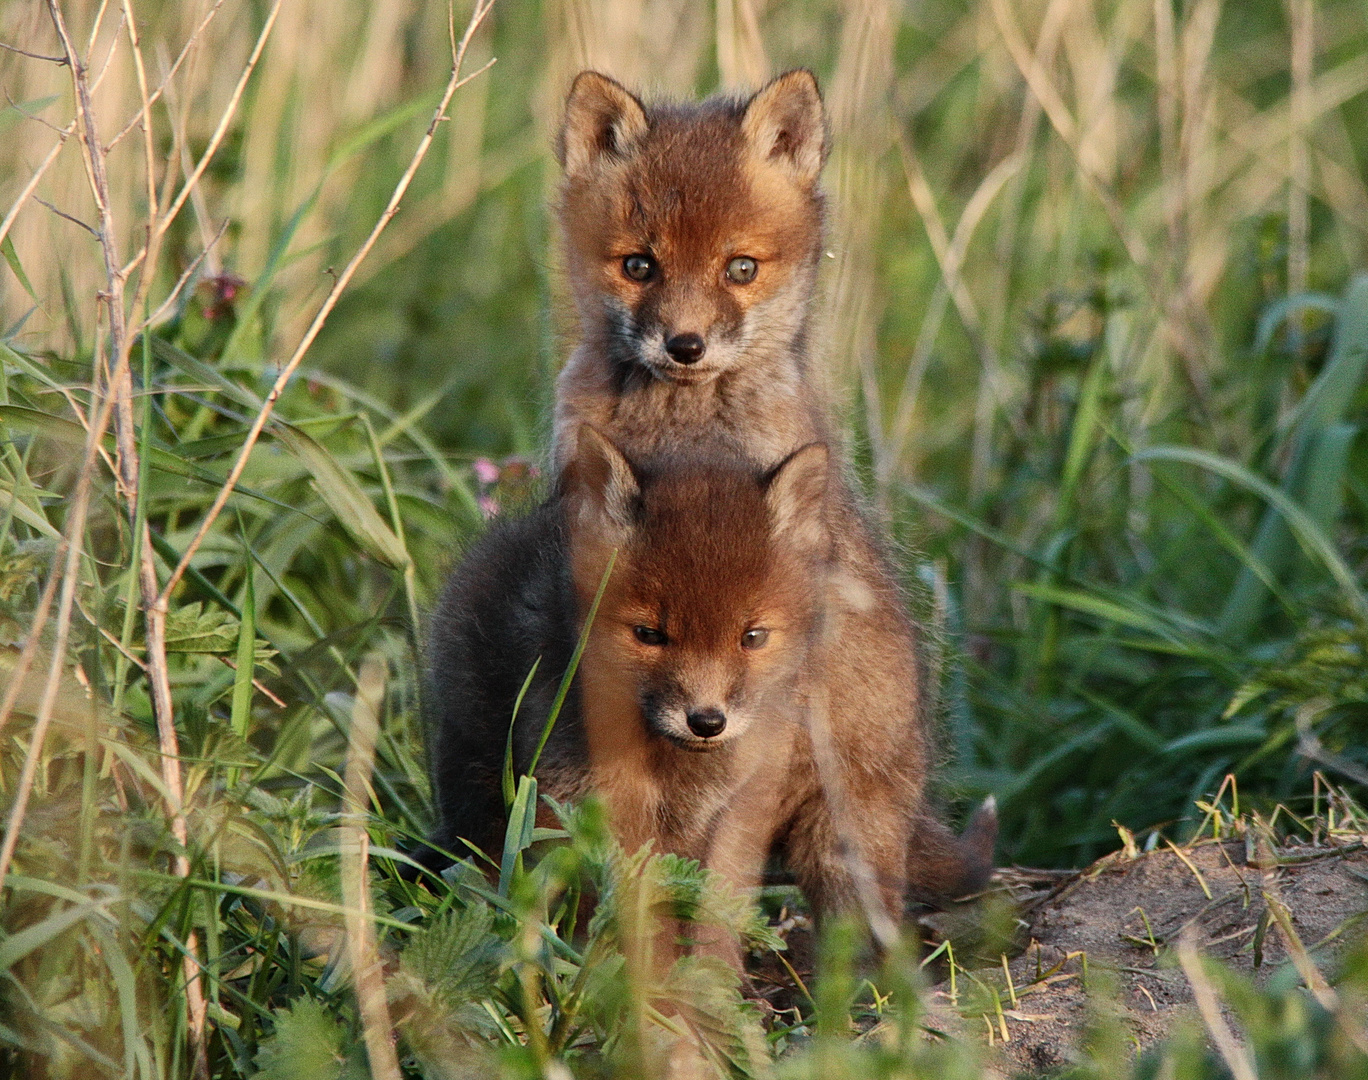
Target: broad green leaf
<point>307,1045</point>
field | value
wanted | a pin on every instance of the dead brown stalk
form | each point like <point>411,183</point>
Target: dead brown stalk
<point>362,953</point>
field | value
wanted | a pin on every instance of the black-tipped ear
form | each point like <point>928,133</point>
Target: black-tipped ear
<point>601,118</point>
<point>784,122</point>
<point>601,484</point>
<point>796,492</point>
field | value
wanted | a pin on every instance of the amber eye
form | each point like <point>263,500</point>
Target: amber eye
<point>742,270</point>
<point>639,267</point>
<point>649,635</point>
<point>754,638</point>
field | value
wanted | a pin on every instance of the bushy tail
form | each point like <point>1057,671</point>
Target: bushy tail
<point>942,866</point>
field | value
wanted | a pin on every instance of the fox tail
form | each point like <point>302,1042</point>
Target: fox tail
<point>941,865</point>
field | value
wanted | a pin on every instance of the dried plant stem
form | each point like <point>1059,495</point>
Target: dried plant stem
<point>456,81</point>
<point>362,954</point>
<point>949,253</point>
<point>1303,16</point>
<point>154,604</point>
<point>65,567</point>
<point>1173,322</point>
<point>1235,1055</point>
<point>35,179</point>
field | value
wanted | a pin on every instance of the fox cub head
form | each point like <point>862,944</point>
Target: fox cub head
<point>707,616</point>
<point>692,232</point>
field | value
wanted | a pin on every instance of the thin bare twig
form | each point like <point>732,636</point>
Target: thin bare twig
<point>69,549</point>
<point>1235,1055</point>
<point>154,606</point>
<point>63,214</point>
<point>60,61</point>
<point>482,9</point>
<point>166,79</point>
<point>30,116</point>
<point>62,137</point>
<point>34,180</point>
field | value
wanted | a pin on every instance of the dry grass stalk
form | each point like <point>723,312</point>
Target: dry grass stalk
<point>1236,1056</point>
<point>1303,19</point>
<point>362,953</point>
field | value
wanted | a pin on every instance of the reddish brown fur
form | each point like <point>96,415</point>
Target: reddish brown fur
<point>694,186</point>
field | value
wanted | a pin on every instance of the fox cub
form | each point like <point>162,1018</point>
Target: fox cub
<point>682,716</point>
<point>692,237</point>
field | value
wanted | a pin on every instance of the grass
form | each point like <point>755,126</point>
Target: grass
<point>1096,314</point>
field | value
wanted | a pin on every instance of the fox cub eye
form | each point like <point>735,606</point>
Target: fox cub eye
<point>649,635</point>
<point>742,270</point>
<point>754,639</point>
<point>639,267</point>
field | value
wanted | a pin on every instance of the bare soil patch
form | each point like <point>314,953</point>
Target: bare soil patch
<point>1114,925</point>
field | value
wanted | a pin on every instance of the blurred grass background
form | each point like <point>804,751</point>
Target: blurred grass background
<point>1090,307</point>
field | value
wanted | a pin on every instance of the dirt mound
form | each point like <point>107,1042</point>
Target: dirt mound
<point>1248,904</point>
<point>1112,927</point>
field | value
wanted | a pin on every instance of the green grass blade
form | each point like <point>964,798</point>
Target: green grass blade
<point>12,257</point>
<point>509,789</point>
<point>574,663</point>
<point>344,496</point>
<point>17,946</point>
<point>1089,604</point>
<point>522,819</point>
<point>1311,536</point>
<point>240,717</point>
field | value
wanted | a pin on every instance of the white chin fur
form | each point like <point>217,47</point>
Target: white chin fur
<point>662,367</point>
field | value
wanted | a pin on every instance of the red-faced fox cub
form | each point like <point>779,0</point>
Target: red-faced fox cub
<point>683,715</point>
<point>692,237</point>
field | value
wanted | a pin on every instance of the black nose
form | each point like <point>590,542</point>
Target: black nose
<point>685,348</point>
<point>707,722</point>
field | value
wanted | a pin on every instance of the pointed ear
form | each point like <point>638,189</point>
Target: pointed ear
<point>601,485</point>
<point>784,122</point>
<point>601,118</point>
<point>796,494</point>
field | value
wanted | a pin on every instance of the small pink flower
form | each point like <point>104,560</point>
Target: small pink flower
<point>486,472</point>
<point>489,506</point>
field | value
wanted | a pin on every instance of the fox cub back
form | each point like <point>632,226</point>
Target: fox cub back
<point>685,692</point>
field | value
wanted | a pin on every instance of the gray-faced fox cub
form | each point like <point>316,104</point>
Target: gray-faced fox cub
<point>692,239</point>
<point>682,718</point>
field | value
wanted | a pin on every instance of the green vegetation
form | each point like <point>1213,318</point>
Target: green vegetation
<point>1096,312</point>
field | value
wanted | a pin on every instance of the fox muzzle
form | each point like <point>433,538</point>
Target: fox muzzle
<point>706,723</point>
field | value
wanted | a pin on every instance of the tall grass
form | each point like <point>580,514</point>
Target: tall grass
<point>1093,315</point>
